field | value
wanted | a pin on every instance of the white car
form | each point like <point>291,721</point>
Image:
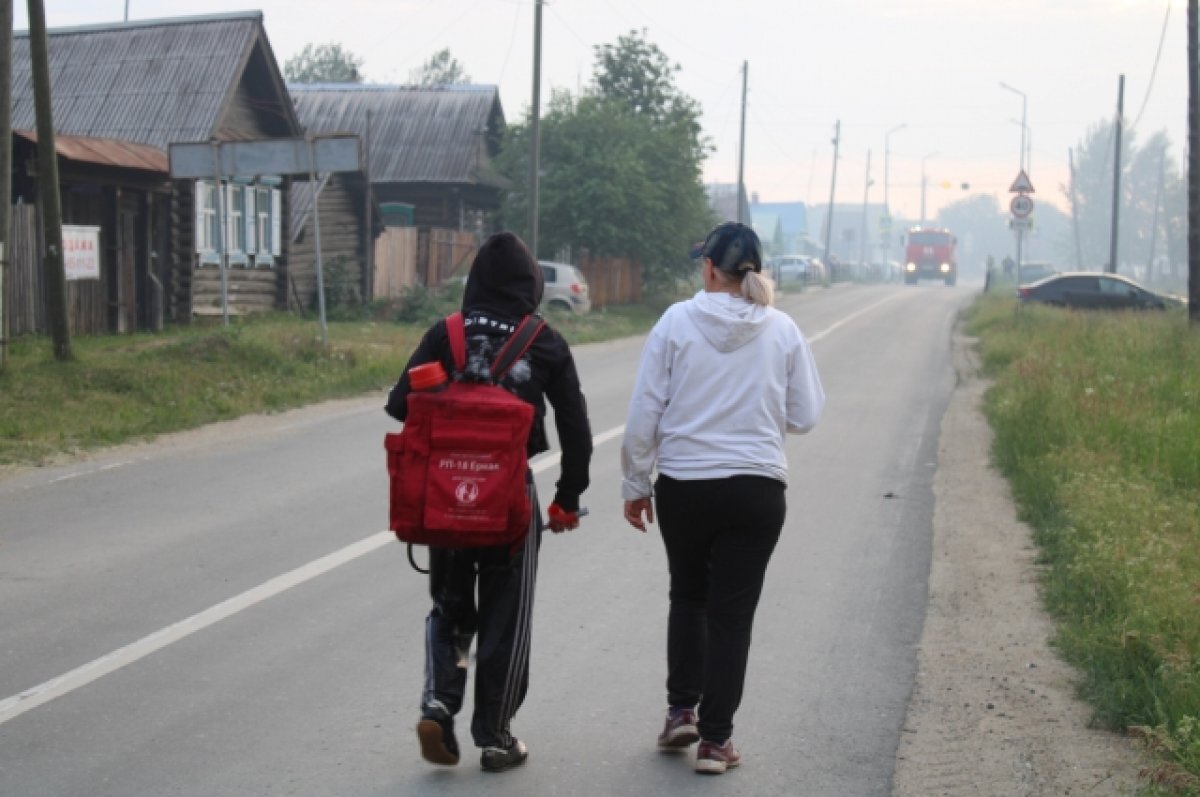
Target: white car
<point>566,288</point>
<point>796,268</point>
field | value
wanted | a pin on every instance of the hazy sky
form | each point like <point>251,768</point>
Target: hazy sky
<point>933,65</point>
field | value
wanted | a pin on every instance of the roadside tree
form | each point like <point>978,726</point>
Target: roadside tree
<point>442,69</point>
<point>323,63</point>
<point>620,165</point>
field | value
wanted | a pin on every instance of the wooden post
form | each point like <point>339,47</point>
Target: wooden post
<point>53,268</point>
<point>6,26</point>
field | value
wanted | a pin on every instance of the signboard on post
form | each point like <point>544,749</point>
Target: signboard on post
<point>81,252</point>
<point>339,153</point>
<point>1021,185</point>
<point>278,156</point>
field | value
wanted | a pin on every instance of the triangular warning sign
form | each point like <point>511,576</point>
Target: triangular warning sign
<point>1021,185</point>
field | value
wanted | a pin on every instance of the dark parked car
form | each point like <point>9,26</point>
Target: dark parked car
<point>1093,291</point>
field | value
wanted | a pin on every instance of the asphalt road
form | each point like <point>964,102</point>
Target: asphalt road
<point>221,613</point>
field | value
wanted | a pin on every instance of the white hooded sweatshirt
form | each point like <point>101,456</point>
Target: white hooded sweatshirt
<point>721,381</point>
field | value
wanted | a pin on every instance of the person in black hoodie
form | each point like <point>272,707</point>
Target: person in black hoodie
<point>504,286</point>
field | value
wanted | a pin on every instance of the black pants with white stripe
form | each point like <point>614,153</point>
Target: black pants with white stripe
<point>500,618</point>
<point>719,535</point>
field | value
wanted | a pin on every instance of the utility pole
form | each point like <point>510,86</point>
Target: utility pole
<point>1116,196</point>
<point>741,185</point>
<point>52,264</point>
<point>837,140</point>
<point>886,231</point>
<point>862,244</point>
<point>1193,178</point>
<point>535,153</point>
<point>1158,191</point>
<point>1075,211</point>
<point>1193,163</point>
<point>6,20</point>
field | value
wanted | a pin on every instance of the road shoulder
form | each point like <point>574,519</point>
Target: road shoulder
<point>993,710</point>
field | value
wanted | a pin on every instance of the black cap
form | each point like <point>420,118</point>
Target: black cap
<point>732,246</point>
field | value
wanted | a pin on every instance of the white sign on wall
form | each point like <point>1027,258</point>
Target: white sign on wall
<point>81,252</point>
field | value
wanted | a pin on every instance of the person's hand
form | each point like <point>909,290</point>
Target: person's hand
<point>561,520</point>
<point>635,509</point>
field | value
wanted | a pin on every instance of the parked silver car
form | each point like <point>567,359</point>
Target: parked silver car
<point>566,288</point>
<point>796,268</point>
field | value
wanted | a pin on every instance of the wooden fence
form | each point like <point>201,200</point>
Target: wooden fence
<point>408,256</point>
<point>87,305</point>
<point>612,280</point>
<point>395,261</point>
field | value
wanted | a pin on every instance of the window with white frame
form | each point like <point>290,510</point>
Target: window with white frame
<point>206,218</point>
<point>236,227</point>
<point>262,205</point>
<point>252,223</point>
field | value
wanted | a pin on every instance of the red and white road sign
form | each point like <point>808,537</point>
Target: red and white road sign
<point>1021,206</point>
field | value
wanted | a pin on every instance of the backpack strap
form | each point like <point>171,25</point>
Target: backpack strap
<point>517,344</point>
<point>513,349</point>
<point>458,340</point>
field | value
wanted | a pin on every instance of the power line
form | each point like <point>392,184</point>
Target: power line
<point>1154,71</point>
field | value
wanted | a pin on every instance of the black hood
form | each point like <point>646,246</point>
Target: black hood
<point>504,279</point>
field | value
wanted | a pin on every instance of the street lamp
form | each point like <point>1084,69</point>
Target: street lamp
<point>1024,105</point>
<point>923,181</point>
<point>887,210</point>
<point>1024,128</point>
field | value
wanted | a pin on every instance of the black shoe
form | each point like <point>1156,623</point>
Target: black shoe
<point>498,759</point>
<point>435,732</point>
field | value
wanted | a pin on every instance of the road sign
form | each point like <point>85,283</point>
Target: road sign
<point>1020,224</point>
<point>335,153</point>
<point>1021,206</point>
<point>1021,185</point>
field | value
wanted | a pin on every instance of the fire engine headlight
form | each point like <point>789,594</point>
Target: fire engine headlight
<point>945,268</point>
<point>911,267</point>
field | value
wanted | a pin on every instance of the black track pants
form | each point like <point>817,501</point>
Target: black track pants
<point>719,535</point>
<point>501,618</point>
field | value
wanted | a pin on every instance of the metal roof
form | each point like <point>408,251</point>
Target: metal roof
<point>439,134</point>
<point>106,152</point>
<point>151,81</point>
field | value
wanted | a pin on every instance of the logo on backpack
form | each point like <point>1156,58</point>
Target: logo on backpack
<point>467,492</point>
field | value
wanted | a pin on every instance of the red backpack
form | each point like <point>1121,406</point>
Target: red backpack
<point>457,468</point>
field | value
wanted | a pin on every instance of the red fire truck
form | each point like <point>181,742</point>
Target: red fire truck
<point>929,254</point>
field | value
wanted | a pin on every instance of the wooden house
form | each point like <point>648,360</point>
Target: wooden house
<point>122,93</point>
<point>350,222</point>
<point>429,149</point>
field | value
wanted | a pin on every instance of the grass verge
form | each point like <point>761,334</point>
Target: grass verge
<point>133,387</point>
<point>1097,422</point>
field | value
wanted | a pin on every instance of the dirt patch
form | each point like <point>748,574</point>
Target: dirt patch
<point>993,711</point>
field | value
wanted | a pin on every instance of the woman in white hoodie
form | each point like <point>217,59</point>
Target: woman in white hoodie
<point>723,378</point>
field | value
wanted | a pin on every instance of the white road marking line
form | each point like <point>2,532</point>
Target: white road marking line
<point>15,706</point>
<point>18,704</point>
<point>85,674</point>
<point>827,330</point>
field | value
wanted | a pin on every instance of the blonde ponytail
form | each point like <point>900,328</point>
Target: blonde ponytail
<point>758,288</point>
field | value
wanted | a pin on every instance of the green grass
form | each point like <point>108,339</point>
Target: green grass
<point>1097,421</point>
<point>133,387</point>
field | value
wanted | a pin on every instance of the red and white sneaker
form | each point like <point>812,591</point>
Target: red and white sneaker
<point>714,759</point>
<point>679,731</point>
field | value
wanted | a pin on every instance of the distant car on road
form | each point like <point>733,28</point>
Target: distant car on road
<point>565,287</point>
<point>1094,291</point>
<point>1035,271</point>
<point>796,268</point>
